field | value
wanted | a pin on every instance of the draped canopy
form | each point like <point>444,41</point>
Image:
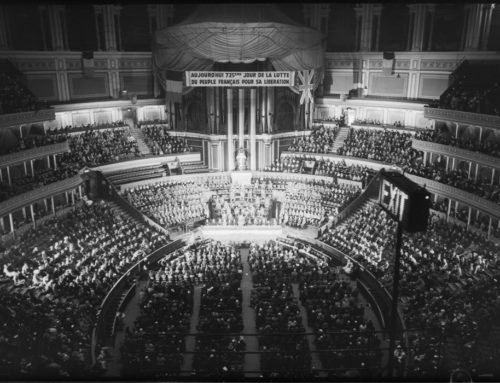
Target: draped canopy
<point>237,33</point>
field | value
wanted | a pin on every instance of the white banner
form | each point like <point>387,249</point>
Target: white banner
<point>240,79</point>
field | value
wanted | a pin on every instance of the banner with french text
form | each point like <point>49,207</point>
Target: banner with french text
<point>240,79</point>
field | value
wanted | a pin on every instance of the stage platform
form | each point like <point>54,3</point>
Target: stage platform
<point>249,233</point>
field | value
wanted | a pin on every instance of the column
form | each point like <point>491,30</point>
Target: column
<point>4,29</point>
<point>32,215</point>
<point>453,164</point>
<point>32,168</point>
<point>485,33</point>
<point>8,175</point>
<point>477,171</point>
<point>425,158</point>
<point>447,162</point>
<point>263,110</point>
<point>489,227</point>
<point>230,150</point>
<point>217,111</point>
<point>419,27</point>
<point>1,174</point>
<point>253,111</point>
<point>364,26</point>
<point>48,161</point>
<point>55,161</point>
<point>480,133</point>
<point>468,216</point>
<point>56,34</point>
<point>67,197</point>
<point>470,169</point>
<point>317,16</point>
<point>492,175</point>
<point>270,109</point>
<point>241,118</point>
<point>53,205</point>
<point>110,34</point>
<point>72,197</point>
<point>80,191</point>
<point>476,26</point>
<point>25,168</point>
<point>11,220</point>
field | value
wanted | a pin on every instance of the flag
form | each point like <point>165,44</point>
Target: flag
<point>388,64</point>
<point>88,63</point>
<point>173,86</point>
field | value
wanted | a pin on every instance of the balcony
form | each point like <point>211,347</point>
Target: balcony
<point>14,119</point>
<point>33,154</point>
<point>483,120</point>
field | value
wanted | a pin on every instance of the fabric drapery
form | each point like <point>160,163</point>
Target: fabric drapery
<point>237,33</point>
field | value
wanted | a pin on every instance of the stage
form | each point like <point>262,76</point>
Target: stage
<point>248,233</point>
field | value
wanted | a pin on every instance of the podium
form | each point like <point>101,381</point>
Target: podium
<point>241,178</point>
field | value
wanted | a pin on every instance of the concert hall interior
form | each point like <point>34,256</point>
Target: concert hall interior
<point>250,191</point>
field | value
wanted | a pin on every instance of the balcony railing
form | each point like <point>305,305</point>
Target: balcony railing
<point>47,191</point>
<point>459,153</point>
<point>33,154</point>
<point>13,119</point>
<point>483,120</point>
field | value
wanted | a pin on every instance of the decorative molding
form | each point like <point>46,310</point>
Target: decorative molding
<point>14,119</point>
<point>22,200</point>
<point>33,154</point>
<point>339,64</point>
<point>483,120</point>
<point>375,64</point>
<point>439,65</point>
<point>134,63</point>
<point>34,64</point>
<point>459,153</point>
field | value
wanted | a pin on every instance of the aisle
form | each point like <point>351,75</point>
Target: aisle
<point>252,361</point>
<point>131,312</point>
<point>315,360</point>
<point>190,340</point>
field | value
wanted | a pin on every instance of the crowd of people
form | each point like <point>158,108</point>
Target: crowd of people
<point>90,148</point>
<point>33,141</point>
<point>53,281</point>
<point>57,130</point>
<point>15,97</point>
<point>490,147</point>
<point>171,203</point>
<point>320,140</point>
<point>387,146</point>
<point>475,98</point>
<point>447,280</point>
<point>315,202</point>
<point>163,142</point>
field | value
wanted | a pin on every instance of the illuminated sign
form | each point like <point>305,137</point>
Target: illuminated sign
<point>240,79</point>
<point>405,201</point>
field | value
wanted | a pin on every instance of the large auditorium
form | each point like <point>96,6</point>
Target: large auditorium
<point>250,191</point>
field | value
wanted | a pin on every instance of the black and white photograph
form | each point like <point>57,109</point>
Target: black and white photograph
<point>250,191</point>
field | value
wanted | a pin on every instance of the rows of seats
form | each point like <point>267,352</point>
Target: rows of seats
<point>447,280</point>
<point>163,142</point>
<point>15,97</point>
<point>170,203</point>
<point>320,140</point>
<point>53,281</point>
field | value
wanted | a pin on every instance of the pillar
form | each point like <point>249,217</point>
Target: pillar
<point>492,175</point>
<point>477,171</point>
<point>316,16</point>
<point>367,17</point>
<point>425,158</point>
<point>477,25</point>
<point>8,175</point>
<point>480,134</point>
<point>468,216</point>
<point>110,34</point>
<point>489,227</point>
<point>253,111</point>
<point>453,164</point>
<point>270,109</point>
<point>4,29</point>
<point>241,118</point>
<point>160,16</point>
<point>32,168</point>
<point>80,191</point>
<point>53,205</point>
<point>470,169</point>
<point>67,197</point>
<point>25,168</point>
<point>55,161</point>
<point>11,220</point>
<point>56,37</point>
<point>230,150</point>
<point>48,162</point>
<point>263,110</point>
<point>32,215</point>
<point>420,30</point>
<point>217,111</point>
<point>1,174</point>
<point>447,162</point>
<point>72,197</point>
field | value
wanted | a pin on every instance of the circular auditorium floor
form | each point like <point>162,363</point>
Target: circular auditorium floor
<point>251,362</point>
